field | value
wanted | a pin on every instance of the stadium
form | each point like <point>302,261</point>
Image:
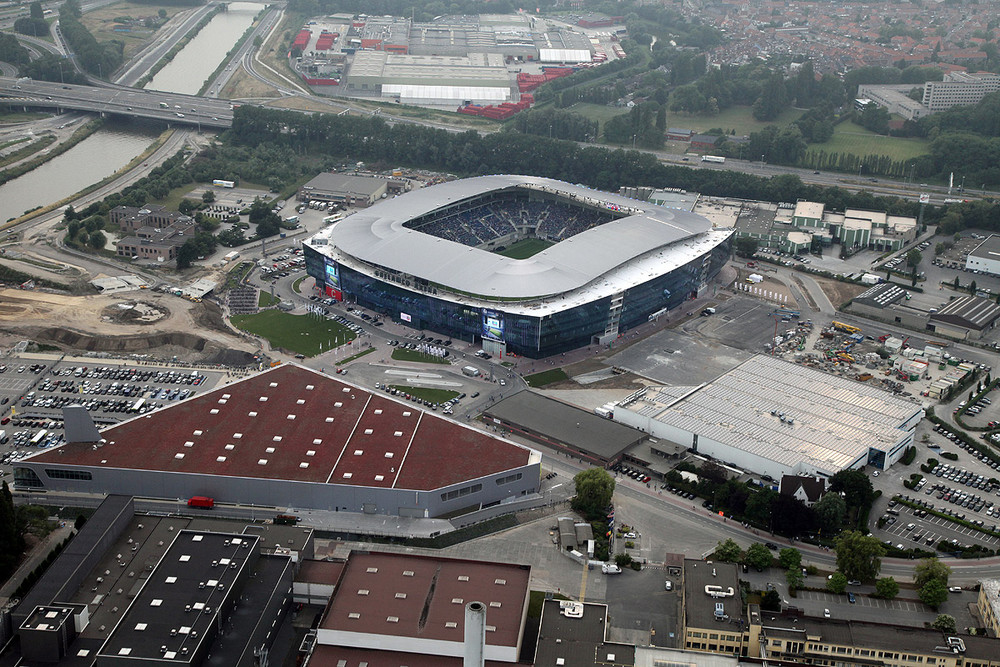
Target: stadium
<point>527,265</point>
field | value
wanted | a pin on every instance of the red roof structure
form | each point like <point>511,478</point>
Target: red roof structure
<point>293,423</point>
<point>416,604</point>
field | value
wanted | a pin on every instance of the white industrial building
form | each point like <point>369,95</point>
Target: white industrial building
<point>774,418</point>
<point>985,257</point>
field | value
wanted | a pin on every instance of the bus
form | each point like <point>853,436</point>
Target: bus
<point>36,441</point>
<point>718,159</point>
<point>137,406</point>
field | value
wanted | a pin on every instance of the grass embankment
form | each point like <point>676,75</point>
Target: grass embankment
<point>546,377</point>
<point>104,25</point>
<point>856,140</point>
<point>425,394</point>
<point>26,150</point>
<point>266,300</point>
<point>413,355</point>
<point>301,334</point>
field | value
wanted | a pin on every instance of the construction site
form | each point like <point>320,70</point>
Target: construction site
<point>881,360</point>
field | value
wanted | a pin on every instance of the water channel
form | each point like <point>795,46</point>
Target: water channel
<point>187,72</point>
<point>99,155</point>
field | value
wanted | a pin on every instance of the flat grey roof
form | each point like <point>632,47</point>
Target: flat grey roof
<point>64,575</point>
<point>988,249</point>
<point>883,636</point>
<point>180,600</point>
<point>580,641</point>
<point>378,236</point>
<point>836,420</point>
<point>968,311</point>
<point>563,423</point>
<point>699,606</point>
<point>363,185</point>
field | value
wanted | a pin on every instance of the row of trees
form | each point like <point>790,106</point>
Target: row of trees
<point>11,50</point>
<point>34,23</point>
<point>99,58</point>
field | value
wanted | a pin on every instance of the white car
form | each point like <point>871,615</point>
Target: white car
<point>630,536</point>
<point>610,568</point>
<point>826,613</point>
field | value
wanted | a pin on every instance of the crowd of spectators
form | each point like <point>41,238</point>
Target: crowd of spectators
<point>483,222</point>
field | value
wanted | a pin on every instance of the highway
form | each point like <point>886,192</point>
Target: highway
<point>164,40</point>
<point>170,108</point>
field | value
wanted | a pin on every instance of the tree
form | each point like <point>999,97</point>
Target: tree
<point>933,593</point>
<point>746,246</point>
<point>162,13</point>
<point>836,583</point>
<point>929,569</point>
<point>945,623</point>
<point>36,11</point>
<point>594,488</point>
<point>187,206</point>
<point>770,601</point>
<point>857,490</point>
<point>97,240</point>
<point>728,551</point>
<point>794,578</point>
<point>886,588</point>
<point>830,512</point>
<point>208,196</point>
<point>972,288</point>
<point>758,556</point>
<point>859,556</point>
<point>913,258</point>
<point>790,558</point>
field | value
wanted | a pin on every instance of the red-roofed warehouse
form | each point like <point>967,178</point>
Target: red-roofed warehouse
<point>293,437</point>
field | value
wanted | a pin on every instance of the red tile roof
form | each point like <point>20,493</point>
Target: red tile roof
<point>295,423</point>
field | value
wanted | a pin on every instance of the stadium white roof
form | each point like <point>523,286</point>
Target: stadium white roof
<point>834,420</point>
<point>377,236</point>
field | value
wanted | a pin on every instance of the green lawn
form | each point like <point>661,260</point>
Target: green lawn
<point>302,334</point>
<point>524,248</point>
<point>264,299</point>
<point>400,354</point>
<point>736,118</point>
<point>851,138</point>
<point>546,377</point>
<point>423,393</point>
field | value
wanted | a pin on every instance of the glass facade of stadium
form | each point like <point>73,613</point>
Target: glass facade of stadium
<point>526,335</point>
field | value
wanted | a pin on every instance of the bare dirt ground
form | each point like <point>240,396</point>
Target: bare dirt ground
<point>152,323</point>
<point>837,291</point>
<point>243,86</point>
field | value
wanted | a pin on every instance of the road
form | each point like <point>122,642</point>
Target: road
<point>171,108</point>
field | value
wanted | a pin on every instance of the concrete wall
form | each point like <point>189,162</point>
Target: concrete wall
<point>291,494</point>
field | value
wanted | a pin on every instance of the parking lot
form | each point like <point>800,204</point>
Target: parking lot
<point>967,489</point>
<point>33,392</point>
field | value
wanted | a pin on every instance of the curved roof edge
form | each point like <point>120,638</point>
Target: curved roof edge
<point>378,236</point>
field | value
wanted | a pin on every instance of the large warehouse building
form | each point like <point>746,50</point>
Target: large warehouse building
<point>293,437</point>
<point>589,265</point>
<point>773,418</point>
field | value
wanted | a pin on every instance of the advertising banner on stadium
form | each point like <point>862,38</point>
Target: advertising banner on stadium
<point>332,287</point>
<point>332,275</point>
<point>405,317</point>
<point>492,324</point>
